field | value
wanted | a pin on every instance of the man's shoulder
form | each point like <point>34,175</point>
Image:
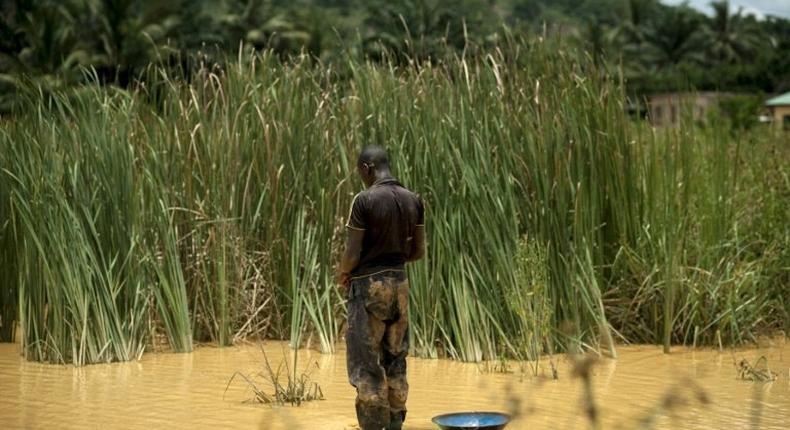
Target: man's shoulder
<point>404,192</point>
<point>365,196</point>
<point>383,193</point>
<point>411,193</point>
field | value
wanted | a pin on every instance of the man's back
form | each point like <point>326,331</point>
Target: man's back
<point>389,214</point>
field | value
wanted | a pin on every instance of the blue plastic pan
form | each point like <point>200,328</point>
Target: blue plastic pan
<point>472,421</point>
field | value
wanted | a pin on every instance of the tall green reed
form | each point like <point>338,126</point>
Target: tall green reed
<point>8,258</point>
<point>82,296</point>
<point>172,194</point>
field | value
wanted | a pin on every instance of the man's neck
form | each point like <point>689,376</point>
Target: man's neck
<point>383,175</point>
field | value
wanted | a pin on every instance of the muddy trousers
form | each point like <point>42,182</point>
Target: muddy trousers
<point>377,342</point>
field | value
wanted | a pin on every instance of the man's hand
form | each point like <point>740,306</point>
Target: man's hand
<point>350,258</point>
<point>417,242</point>
<point>343,280</point>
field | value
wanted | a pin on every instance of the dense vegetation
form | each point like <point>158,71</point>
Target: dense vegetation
<point>210,206</point>
<point>660,47</point>
<point>182,170</point>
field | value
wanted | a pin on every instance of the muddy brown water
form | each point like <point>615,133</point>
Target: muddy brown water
<point>165,390</point>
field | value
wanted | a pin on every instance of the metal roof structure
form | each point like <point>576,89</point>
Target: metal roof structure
<point>783,100</point>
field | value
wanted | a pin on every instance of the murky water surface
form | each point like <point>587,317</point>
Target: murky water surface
<point>186,391</point>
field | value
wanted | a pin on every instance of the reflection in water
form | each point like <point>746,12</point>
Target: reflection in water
<point>186,391</point>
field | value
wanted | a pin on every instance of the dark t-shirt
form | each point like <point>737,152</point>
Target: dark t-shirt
<point>389,214</point>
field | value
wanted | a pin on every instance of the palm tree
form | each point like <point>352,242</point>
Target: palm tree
<point>778,53</point>
<point>265,24</point>
<point>128,35</point>
<point>637,19</point>
<point>41,49</point>
<point>674,38</point>
<point>637,25</point>
<point>425,29</point>
<point>733,36</point>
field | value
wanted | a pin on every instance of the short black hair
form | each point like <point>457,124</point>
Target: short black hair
<point>374,156</point>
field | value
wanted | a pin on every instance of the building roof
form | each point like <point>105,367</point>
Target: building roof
<point>688,94</point>
<point>783,100</point>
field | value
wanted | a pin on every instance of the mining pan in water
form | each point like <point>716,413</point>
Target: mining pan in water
<point>472,421</point>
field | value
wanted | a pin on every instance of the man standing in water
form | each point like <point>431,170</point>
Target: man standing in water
<point>385,231</point>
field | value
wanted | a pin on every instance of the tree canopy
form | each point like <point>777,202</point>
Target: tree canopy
<point>659,47</point>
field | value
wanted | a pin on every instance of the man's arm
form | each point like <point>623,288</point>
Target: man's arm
<point>417,244</point>
<point>351,255</point>
<point>356,233</point>
<point>418,237</point>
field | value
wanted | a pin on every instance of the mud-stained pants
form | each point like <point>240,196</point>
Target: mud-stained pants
<point>377,342</point>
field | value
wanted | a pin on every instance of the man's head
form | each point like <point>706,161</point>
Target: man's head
<point>373,162</point>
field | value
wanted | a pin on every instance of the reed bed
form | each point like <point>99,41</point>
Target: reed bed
<point>211,207</point>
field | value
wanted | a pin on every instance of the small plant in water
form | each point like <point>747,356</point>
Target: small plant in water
<point>555,374</point>
<point>759,372</point>
<point>298,387</point>
<point>496,366</point>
